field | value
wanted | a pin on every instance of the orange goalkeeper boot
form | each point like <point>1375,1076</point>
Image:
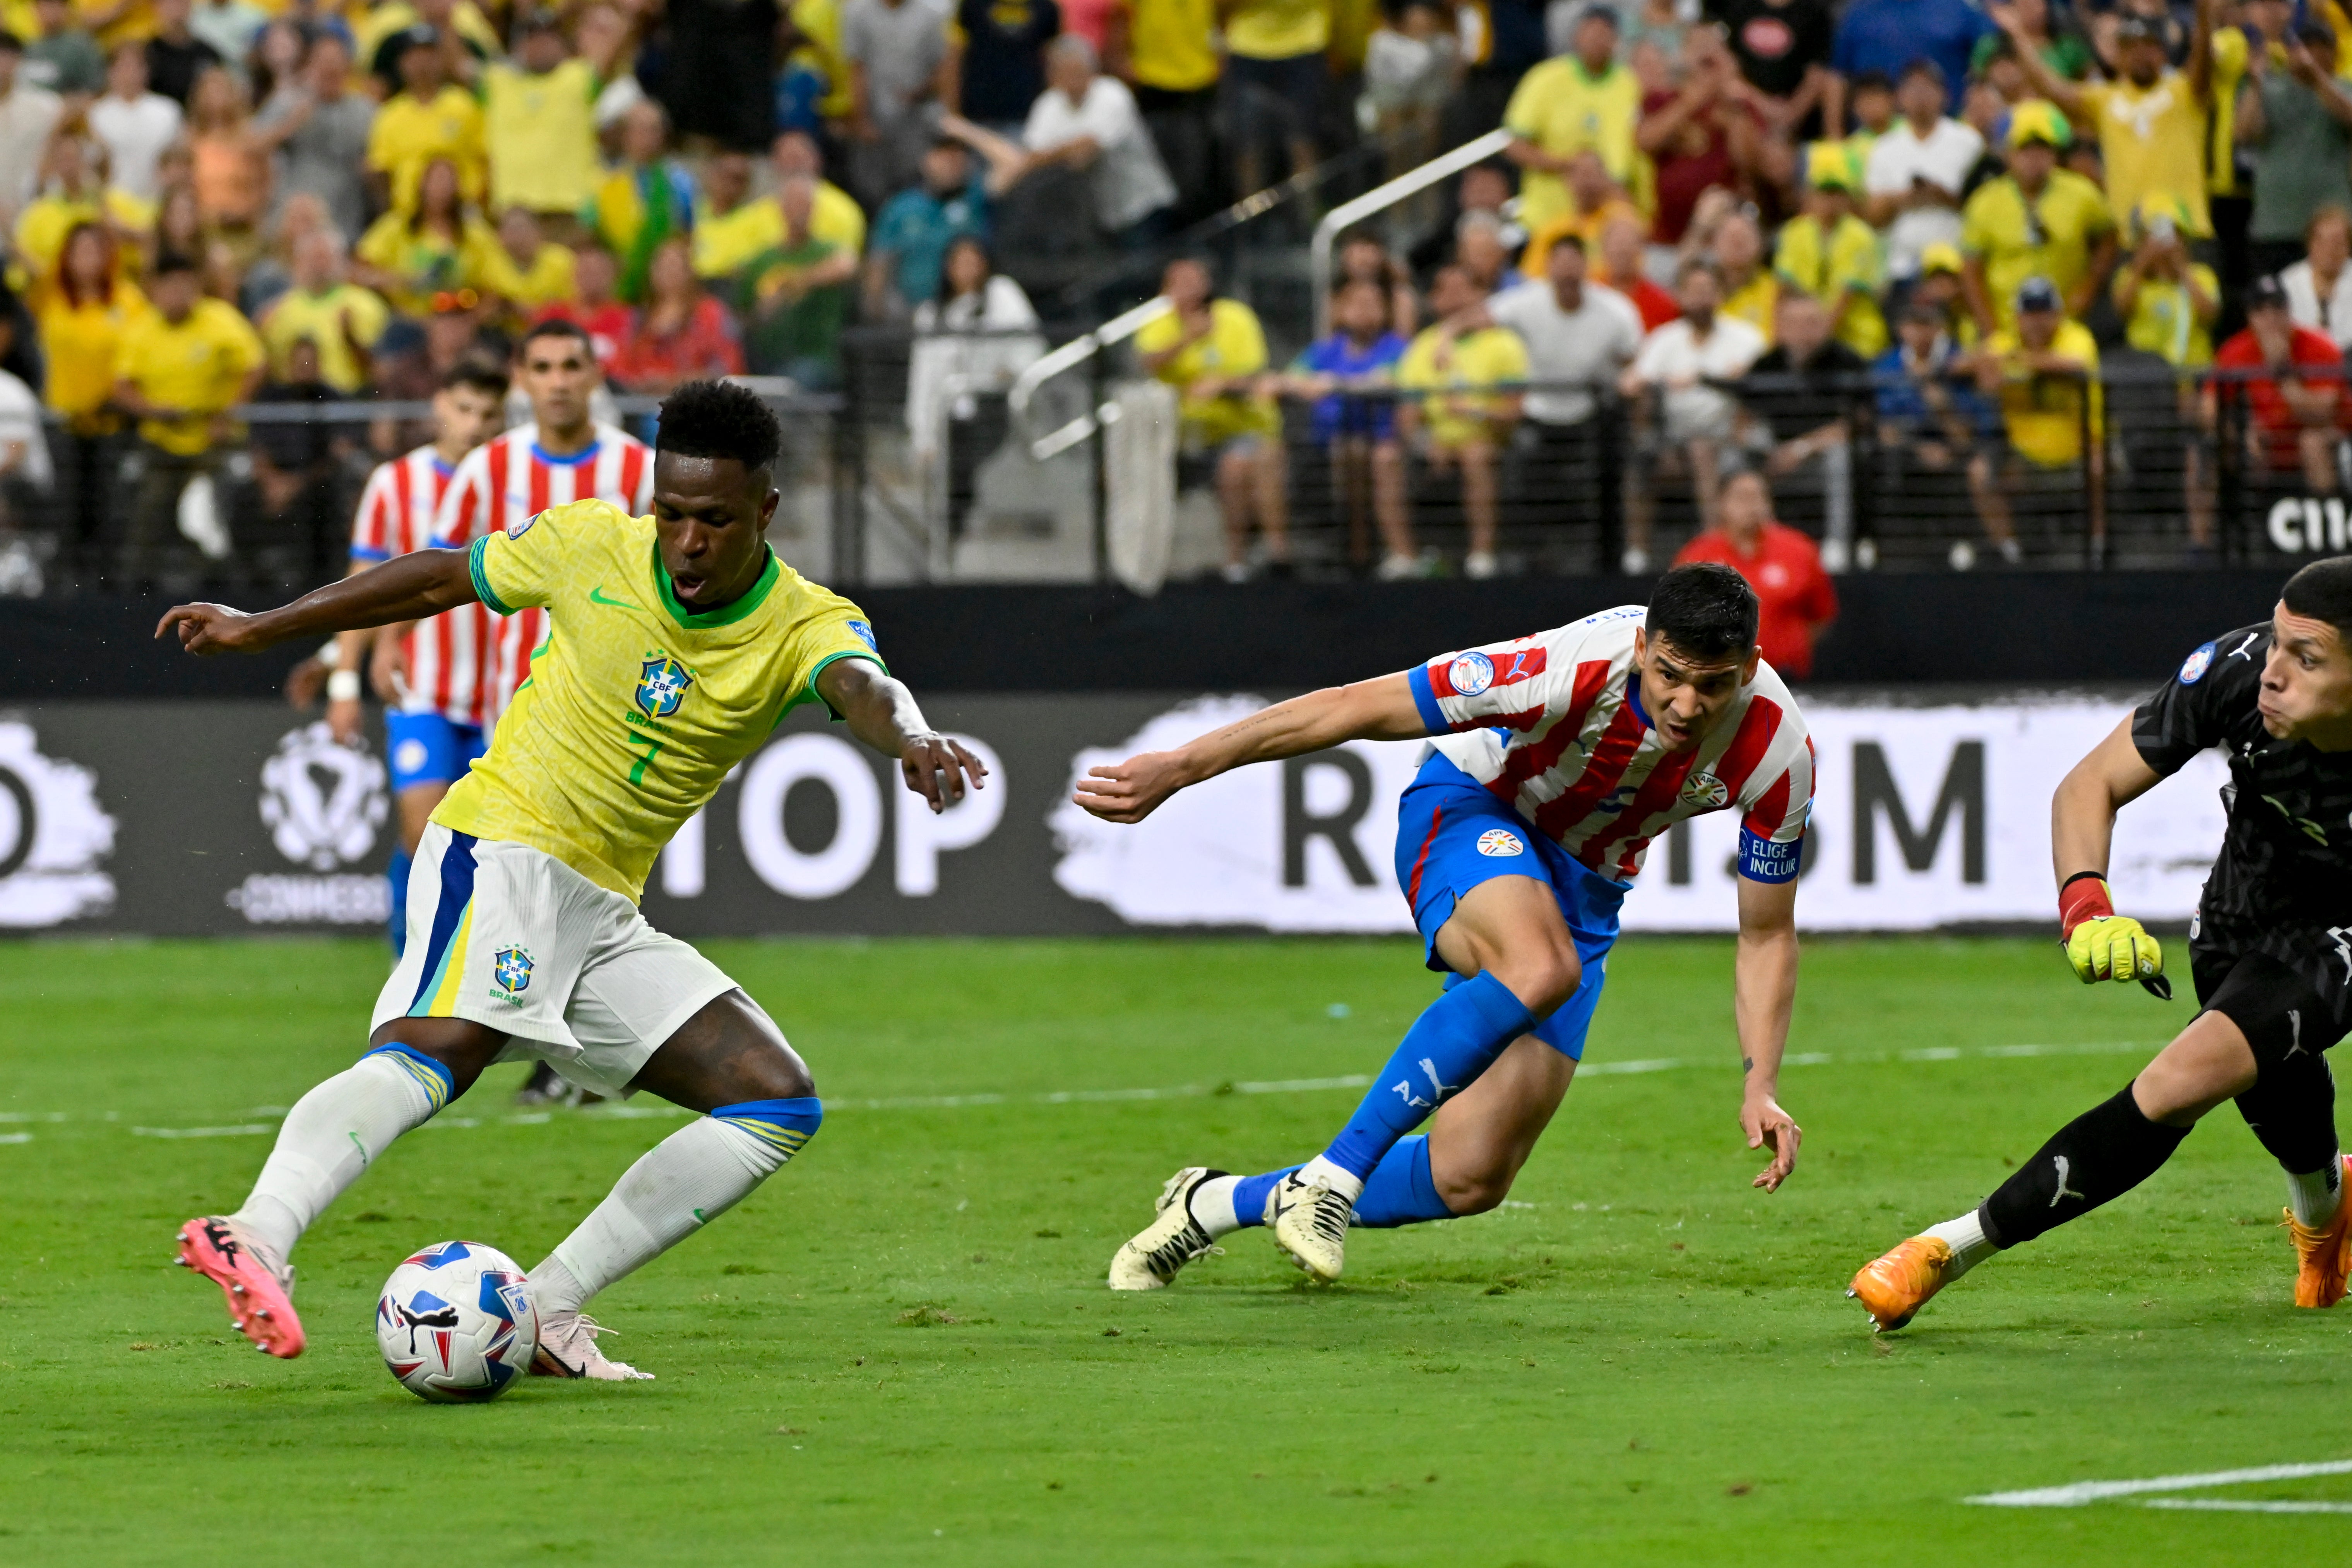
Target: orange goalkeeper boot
<point>1894,1289</point>
<point>2324,1256</point>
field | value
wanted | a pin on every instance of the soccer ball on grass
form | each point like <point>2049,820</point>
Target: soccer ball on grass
<point>455,1323</point>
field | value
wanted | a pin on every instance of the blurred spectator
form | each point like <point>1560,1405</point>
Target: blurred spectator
<point>2040,371</point>
<point>1480,250</point>
<point>1884,35</point>
<point>2152,120</point>
<point>1594,202</point>
<point>913,230</point>
<point>1916,171</point>
<point>1751,291</point>
<point>528,271</point>
<point>231,27</point>
<point>899,65</point>
<point>132,123</point>
<point>27,115</point>
<point>1364,260</point>
<point>25,473</point>
<point>1796,601</point>
<point>429,118</point>
<point>1684,415</point>
<point>1621,268</point>
<point>2299,122</point>
<point>1413,63</point>
<point>1212,351</point>
<point>1564,105</point>
<point>1930,417</point>
<point>439,246</point>
<point>1805,392</point>
<point>1002,67</point>
<point>340,321</point>
<point>179,369</point>
<point>320,129</point>
<point>539,119</point>
<point>1482,188</point>
<point>596,304</point>
<point>838,218</point>
<point>232,165</point>
<point>976,338</point>
<point>1782,48</point>
<point>644,197</point>
<point>1829,252</point>
<point>70,194</point>
<point>718,78</point>
<point>271,272</point>
<point>2062,51</point>
<point>729,226</point>
<point>796,294</point>
<point>1274,82</point>
<point>83,311</point>
<point>179,217</point>
<point>294,460</point>
<point>1168,51</point>
<point>2168,302</point>
<point>1869,114</point>
<point>680,333</point>
<point>175,56</point>
<point>2289,383</point>
<point>1471,375</point>
<point>1358,432</point>
<point>63,58</point>
<point>1701,136</point>
<point>1942,284</point>
<point>1579,337</point>
<point>2319,287</point>
<point>1085,120</point>
<point>2036,221</point>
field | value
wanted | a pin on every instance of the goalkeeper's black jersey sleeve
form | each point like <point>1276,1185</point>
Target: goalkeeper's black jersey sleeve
<point>2208,702</point>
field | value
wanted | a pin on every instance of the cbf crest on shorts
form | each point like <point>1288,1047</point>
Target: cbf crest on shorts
<point>1500,841</point>
<point>661,686</point>
<point>512,967</point>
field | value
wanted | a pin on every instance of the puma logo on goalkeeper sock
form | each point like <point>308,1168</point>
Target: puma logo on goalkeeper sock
<point>2063,1191</point>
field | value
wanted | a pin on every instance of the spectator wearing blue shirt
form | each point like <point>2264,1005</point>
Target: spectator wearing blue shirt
<point>915,228</point>
<point>1350,375</point>
<point>1886,35</point>
<point>1931,418</point>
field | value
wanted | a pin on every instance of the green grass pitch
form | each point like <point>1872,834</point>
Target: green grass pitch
<point>900,1351</point>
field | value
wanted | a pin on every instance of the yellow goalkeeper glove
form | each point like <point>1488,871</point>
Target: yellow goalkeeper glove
<point>2104,945</point>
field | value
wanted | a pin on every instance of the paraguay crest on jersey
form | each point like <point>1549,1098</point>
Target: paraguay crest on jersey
<point>661,686</point>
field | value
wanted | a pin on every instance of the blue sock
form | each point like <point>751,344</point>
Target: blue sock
<point>1455,1038</point>
<point>1249,1196</point>
<point>397,875</point>
<point>783,1125</point>
<point>1401,1190</point>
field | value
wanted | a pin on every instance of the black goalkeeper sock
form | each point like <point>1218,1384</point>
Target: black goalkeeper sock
<point>2101,1154</point>
<point>2292,1108</point>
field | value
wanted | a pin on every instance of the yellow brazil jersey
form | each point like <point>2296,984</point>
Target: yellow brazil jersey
<point>1756,302</point>
<point>541,130</point>
<point>2230,62</point>
<point>1842,269</point>
<point>1172,44</point>
<point>1460,376</point>
<point>819,21</point>
<point>195,367</point>
<point>1277,29</point>
<point>726,243</point>
<point>2163,320</point>
<point>79,343</point>
<point>636,707</point>
<point>2044,413</point>
<point>550,277</point>
<point>1562,107</point>
<point>1234,345</point>
<point>332,320</point>
<point>2052,235</point>
<point>409,133</point>
<point>2152,141</point>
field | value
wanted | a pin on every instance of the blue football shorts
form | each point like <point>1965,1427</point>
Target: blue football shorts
<point>1452,835</point>
<point>429,748</point>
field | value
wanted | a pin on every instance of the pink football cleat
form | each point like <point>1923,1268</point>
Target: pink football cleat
<point>258,1306</point>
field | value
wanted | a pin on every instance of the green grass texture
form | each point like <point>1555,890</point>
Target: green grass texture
<point>900,1351</point>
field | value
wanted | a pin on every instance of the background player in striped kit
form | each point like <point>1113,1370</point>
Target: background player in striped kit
<point>434,677</point>
<point>1559,758</point>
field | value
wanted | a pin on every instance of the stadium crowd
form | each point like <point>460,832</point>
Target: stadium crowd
<point>1780,239</point>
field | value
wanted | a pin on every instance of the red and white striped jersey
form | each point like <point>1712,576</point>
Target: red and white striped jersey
<point>1553,723</point>
<point>507,481</point>
<point>452,656</point>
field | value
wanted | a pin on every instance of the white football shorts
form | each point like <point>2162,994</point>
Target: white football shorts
<point>510,937</point>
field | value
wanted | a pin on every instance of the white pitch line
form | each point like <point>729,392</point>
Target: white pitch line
<point>2245,1505</point>
<point>2081,1492</point>
<point>15,1138</point>
<point>246,1130</point>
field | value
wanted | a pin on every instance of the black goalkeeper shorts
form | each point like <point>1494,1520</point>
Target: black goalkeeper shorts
<point>2288,995</point>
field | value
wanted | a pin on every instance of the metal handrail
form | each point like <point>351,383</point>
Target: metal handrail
<point>1069,356</point>
<point>1379,198</point>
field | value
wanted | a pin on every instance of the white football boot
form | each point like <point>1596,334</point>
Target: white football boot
<point>1310,1223</point>
<point>567,1348</point>
<point>1151,1259</point>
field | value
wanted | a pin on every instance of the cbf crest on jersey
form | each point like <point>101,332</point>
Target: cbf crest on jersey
<point>511,968</point>
<point>661,686</point>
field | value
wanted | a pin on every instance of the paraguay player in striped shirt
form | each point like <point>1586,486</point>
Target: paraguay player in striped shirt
<point>433,676</point>
<point>1559,757</point>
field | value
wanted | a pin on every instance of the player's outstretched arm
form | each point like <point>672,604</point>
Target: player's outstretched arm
<point>1378,709</point>
<point>408,587</point>
<point>881,712</point>
<point>2100,943</point>
<point>1764,993</point>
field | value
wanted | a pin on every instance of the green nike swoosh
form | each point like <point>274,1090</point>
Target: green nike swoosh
<point>596,597</point>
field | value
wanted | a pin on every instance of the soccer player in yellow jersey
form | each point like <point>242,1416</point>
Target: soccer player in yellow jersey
<point>679,641</point>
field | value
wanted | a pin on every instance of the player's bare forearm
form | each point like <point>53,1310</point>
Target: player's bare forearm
<point>409,587</point>
<point>1764,995</point>
<point>2082,810</point>
<point>1378,709</point>
<point>881,712</point>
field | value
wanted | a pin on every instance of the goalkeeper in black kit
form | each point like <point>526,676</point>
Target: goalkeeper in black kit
<point>2270,948</point>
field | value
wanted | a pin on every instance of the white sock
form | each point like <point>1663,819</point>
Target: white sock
<point>2315,1197</point>
<point>1346,1183</point>
<point>689,1178</point>
<point>1965,1237</point>
<point>332,1134</point>
<point>1212,1204</point>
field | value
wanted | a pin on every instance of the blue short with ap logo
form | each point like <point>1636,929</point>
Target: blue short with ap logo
<point>426,748</point>
<point>1453,834</point>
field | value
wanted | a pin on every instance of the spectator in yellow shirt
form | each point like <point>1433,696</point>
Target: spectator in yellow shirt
<point>1594,201</point>
<point>428,118</point>
<point>837,218</point>
<point>440,246</point>
<point>729,228</point>
<point>343,320</point>
<point>2040,372</point>
<point>82,310</point>
<point>646,197</point>
<point>1829,252</point>
<point>1276,73</point>
<point>526,269</point>
<point>1584,99</point>
<point>178,370</point>
<point>2036,221</point>
<point>1751,291</point>
<point>539,118</point>
<point>1213,351</point>
<point>1471,375</point>
<point>1167,50</point>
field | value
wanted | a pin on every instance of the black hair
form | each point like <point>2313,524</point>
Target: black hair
<point>947,289</point>
<point>483,378</point>
<point>1871,82</point>
<point>1922,65</point>
<point>2322,591</point>
<point>556,326</point>
<point>1704,610</point>
<point>719,419</point>
<point>171,261</point>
